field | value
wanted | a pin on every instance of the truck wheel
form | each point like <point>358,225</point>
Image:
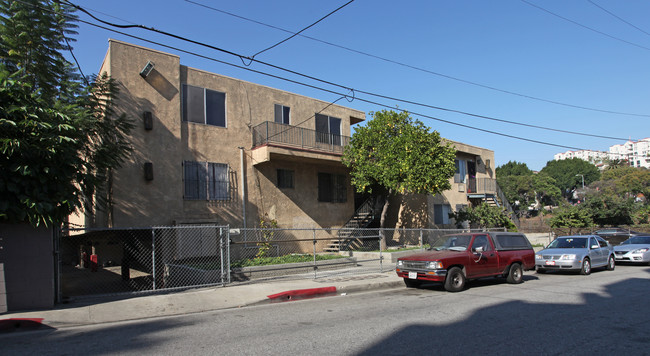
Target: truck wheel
<point>455,281</point>
<point>412,283</point>
<point>516,274</point>
<point>586,267</point>
<point>611,264</point>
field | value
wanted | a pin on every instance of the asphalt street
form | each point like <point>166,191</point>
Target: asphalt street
<point>551,314</point>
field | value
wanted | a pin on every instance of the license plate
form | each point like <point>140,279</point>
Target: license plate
<point>550,263</point>
<point>413,275</point>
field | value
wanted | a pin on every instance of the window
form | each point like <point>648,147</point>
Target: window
<point>460,175</point>
<point>328,130</point>
<point>282,114</point>
<point>441,214</point>
<point>332,188</point>
<point>206,181</point>
<point>285,178</point>
<point>204,106</point>
<point>601,242</point>
<point>481,241</point>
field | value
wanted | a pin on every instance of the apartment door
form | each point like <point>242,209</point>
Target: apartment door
<point>471,173</point>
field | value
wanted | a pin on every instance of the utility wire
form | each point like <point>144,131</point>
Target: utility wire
<point>586,27</point>
<point>619,18</point>
<point>330,91</point>
<point>315,87</point>
<point>393,98</point>
<point>423,69</point>
<point>297,33</point>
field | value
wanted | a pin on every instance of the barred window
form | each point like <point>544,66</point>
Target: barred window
<point>206,181</point>
<point>285,178</point>
<point>332,188</point>
<point>441,213</point>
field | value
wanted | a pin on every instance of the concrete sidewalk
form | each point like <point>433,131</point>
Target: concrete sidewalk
<point>235,295</point>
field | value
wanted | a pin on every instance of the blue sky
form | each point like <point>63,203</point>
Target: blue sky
<point>488,58</point>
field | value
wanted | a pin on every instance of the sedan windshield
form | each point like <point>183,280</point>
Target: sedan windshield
<point>454,242</point>
<point>637,240</point>
<point>569,242</point>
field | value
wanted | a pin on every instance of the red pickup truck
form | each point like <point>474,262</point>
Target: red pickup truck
<point>454,259</point>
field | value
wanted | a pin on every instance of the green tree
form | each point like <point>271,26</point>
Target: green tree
<point>59,136</point>
<point>513,168</point>
<point>572,217</point>
<point>568,173</point>
<point>546,189</point>
<point>518,189</point>
<point>484,216</point>
<point>609,209</point>
<point>395,154</point>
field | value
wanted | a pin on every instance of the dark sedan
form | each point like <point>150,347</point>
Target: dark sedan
<point>615,235</point>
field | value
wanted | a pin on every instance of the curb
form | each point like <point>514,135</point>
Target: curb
<point>302,294</point>
<point>331,291</point>
<point>20,324</point>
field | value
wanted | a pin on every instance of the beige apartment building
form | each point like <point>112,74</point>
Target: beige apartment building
<point>473,183</point>
<point>209,149</point>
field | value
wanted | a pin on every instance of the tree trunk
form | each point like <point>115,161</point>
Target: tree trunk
<point>382,220</point>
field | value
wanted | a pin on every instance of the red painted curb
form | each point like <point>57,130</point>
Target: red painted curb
<point>20,323</point>
<point>302,293</point>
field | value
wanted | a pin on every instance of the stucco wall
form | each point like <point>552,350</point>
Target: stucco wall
<point>138,202</point>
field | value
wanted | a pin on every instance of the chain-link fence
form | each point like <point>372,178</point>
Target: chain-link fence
<point>114,261</point>
<point>111,261</point>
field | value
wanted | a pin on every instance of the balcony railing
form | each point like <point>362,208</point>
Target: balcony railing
<point>273,133</point>
<point>481,185</point>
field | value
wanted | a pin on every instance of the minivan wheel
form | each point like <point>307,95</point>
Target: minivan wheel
<point>586,267</point>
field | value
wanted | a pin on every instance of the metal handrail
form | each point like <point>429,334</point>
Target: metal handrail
<point>270,132</point>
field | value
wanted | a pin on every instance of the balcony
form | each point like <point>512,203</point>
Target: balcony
<point>275,140</point>
<point>481,186</point>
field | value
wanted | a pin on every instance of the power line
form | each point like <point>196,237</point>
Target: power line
<point>297,33</point>
<point>379,95</point>
<point>319,88</point>
<point>618,17</point>
<point>334,92</point>
<point>586,27</point>
<point>422,69</point>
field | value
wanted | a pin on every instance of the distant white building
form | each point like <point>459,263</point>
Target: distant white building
<point>637,153</point>
<point>594,157</point>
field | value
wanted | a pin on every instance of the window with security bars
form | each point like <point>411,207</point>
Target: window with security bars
<point>441,214</point>
<point>206,181</point>
<point>332,188</point>
<point>285,178</point>
<point>204,106</point>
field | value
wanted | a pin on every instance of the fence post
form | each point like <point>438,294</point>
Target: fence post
<point>153,256</point>
<point>315,266</point>
<point>381,257</point>
<point>421,239</point>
